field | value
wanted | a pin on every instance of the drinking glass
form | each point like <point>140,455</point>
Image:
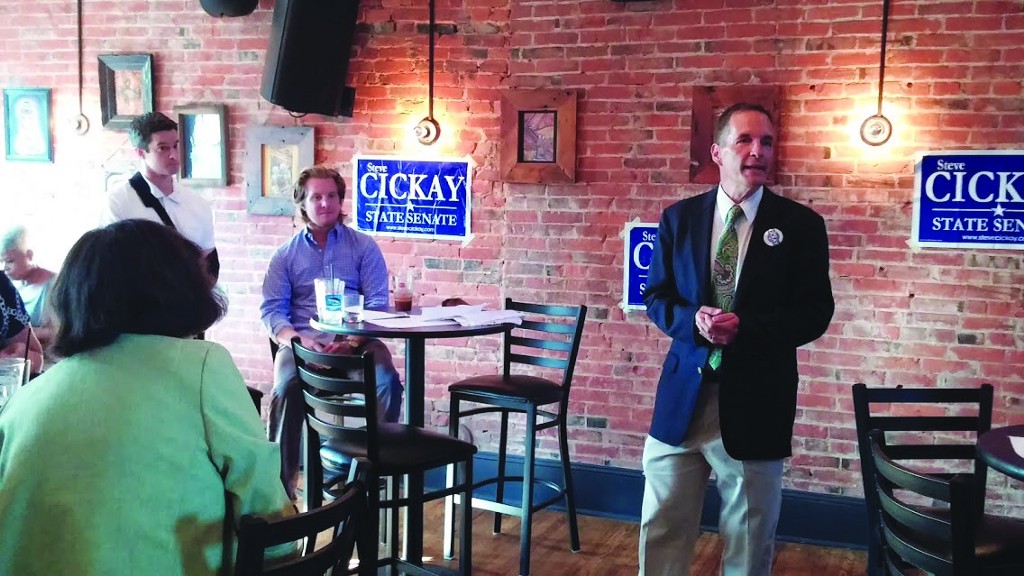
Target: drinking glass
<point>403,292</point>
<point>353,307</point>
<point>12,376</point>
<point>329,291</point>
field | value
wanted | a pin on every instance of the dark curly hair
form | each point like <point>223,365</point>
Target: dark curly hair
<point>132,277</point>
<point>142,128</point>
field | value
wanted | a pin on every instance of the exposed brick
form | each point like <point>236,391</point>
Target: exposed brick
<point>934,317</point>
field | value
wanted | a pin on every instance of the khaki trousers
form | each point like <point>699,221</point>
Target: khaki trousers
<point>675,478</point>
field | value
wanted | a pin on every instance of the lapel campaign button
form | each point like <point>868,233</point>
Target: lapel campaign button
<point>773,237</point>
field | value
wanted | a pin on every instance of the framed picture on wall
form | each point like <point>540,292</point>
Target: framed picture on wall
<point>27,125</point>
<point>126,88</point>
<point>203,146</point>
<point>538,136</point>
<point>274,156</point>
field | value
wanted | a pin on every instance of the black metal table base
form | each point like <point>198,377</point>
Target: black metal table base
<point>415,376</point>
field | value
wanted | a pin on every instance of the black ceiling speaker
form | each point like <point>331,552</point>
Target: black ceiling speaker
<point>307,62</point>
<point>222,8</point>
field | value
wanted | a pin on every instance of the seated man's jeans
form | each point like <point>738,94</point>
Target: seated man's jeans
<point>287,405</point>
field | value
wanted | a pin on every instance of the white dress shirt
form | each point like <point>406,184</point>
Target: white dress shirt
<point>191,214</point>
<point>744,226</point>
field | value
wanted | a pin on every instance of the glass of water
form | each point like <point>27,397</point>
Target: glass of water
<point>353,305</point>
<point>329,292</point>
<point>12,376</point>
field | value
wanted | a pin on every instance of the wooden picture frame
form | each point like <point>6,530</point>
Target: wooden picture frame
<point>538,136</point>
<point>126,88</point>
<point>708,104</point>
<point>27,125</point>
<point>202,144</point>
<point>274,156</point>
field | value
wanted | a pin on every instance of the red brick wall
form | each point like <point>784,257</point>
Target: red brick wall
<point>903,317</point>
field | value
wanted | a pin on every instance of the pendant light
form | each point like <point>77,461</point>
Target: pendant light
<point>876,129</point>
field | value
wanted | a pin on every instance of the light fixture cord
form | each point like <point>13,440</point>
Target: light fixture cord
<point>80,58</point>
<point>881,64</point>
<point>430,57</point>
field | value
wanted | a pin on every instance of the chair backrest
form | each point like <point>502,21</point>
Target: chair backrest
<point>339,389</point>
<point>257,398</point>
<point>543,341</point>
<point>936,539</point>
<point>344,517</point>
<point>949,421</point>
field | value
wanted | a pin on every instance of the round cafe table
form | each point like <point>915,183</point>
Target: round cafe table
<point>415,351</point>
<point>994,449</point>
<point>415,384</point>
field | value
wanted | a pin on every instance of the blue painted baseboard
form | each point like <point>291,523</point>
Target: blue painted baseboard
<point>609,492</point>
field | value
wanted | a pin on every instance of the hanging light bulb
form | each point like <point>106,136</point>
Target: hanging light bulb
<point>876,129</point>
<point>427,131</point>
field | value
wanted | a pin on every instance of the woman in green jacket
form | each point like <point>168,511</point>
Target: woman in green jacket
<point>139,452</point>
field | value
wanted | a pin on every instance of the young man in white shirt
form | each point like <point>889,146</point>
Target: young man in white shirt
<point>155,138</point>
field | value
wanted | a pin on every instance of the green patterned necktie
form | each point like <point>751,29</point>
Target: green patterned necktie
<point>724,272</point>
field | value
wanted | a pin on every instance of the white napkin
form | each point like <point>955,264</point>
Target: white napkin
<point>1018,445</point>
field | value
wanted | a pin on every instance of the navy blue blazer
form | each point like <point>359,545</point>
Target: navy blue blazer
<point>783,301</point>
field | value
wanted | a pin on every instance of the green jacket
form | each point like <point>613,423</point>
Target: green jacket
<point>136,458</point>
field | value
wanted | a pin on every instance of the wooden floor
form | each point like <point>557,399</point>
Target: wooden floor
<point>609,548</point>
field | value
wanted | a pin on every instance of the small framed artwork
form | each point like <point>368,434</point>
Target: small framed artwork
<point>538,136</point>
<point>708,104</point>
<point>203,146</point>
<point>274,156</point>
<point>126,88</point>
<point>27,125</point>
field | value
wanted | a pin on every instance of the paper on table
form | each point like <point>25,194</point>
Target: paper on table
<point>410,322</point>
<point>466,315</point>
<point>487,317</point>
<point>435,312</point>
<point>472,315</point>
<point>369,315</point>
<point>1018,445</point>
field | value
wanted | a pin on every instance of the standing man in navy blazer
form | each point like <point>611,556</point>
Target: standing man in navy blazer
<point>726,400</point>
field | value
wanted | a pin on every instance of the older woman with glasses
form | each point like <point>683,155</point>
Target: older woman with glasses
<point>32,280</point>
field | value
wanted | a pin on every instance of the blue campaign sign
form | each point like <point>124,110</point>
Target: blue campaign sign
<point>969,199</point>
<point>639,250</point>
<point>413,198</point>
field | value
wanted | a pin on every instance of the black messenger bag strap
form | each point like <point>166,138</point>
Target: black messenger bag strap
<point>141,188</point>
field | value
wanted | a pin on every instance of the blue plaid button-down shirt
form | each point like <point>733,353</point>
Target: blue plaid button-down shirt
<point>288,295</point>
